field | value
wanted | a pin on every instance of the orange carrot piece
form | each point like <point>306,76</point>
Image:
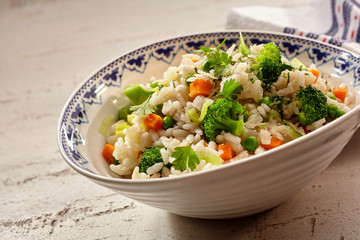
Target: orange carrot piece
<point>195,60</point>
<point>153,121</point>
<point>305,130</point>
<point>228,152</point>
<point>340,93</point>
<point>200,87</point>
<point>275,142</point>
<point>108,153</point>
<point>316,73</point>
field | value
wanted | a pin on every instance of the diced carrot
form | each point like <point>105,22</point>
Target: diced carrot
<point>153,121</point>
<point>227,153</point>
<point>200,87</point>
<point>195,60</point>
<point>275,142</point>
<point>340,93</point>
<point>316,73</point>
<point>306,131</point>
<point>108,153</point>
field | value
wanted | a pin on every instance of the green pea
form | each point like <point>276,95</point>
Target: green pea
<point>333,111</point>
<point>122,113</point>
<point>158,109</point>
<point>340,113</point>
<point>251,143</point>
<point>168,122</point>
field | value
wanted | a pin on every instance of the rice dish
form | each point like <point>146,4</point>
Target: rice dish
<point>217,107</point>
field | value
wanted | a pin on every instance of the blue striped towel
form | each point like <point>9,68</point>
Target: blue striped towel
<point>333,21</point>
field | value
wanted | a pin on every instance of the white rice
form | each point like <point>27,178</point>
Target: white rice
<point>174,95</point>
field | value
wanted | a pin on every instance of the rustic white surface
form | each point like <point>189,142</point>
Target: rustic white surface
<point>46,49</point>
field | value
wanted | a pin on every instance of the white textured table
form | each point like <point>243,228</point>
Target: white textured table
<point>46,49</point>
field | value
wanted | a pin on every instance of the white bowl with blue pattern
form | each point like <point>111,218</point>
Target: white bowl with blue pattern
<point>233,190</point>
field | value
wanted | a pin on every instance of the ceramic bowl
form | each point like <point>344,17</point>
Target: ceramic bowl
<point>233,190</point>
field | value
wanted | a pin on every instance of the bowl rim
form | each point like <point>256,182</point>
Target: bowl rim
<point>114,180</point>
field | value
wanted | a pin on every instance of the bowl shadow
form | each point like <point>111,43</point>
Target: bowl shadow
<point>240,228</point>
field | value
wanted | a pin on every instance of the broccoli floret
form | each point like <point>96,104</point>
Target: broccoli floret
<point>268,65</point>
<point>224,114</point>
<point>312,104</point>
<point>150,157</point>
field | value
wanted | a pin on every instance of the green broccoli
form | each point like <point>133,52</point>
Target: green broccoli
<point>224,114</point>
<point>312,104</point>
<point>150,157</point>
<point>268,65</point>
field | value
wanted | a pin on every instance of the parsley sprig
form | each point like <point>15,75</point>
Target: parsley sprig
<point>143,109</point>
<point>207,50</point>
<point>185,157</point>
<point>217,60</point>
<point>231,89</point>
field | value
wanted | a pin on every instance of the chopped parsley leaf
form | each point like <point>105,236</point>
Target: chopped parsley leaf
<point>142,109</point>
<point>231,89</point>
<point>185,157</point>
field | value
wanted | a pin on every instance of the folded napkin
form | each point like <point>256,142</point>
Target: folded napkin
<point>333,21</point>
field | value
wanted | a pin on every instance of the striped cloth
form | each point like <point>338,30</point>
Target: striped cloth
<point>333,21</point>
